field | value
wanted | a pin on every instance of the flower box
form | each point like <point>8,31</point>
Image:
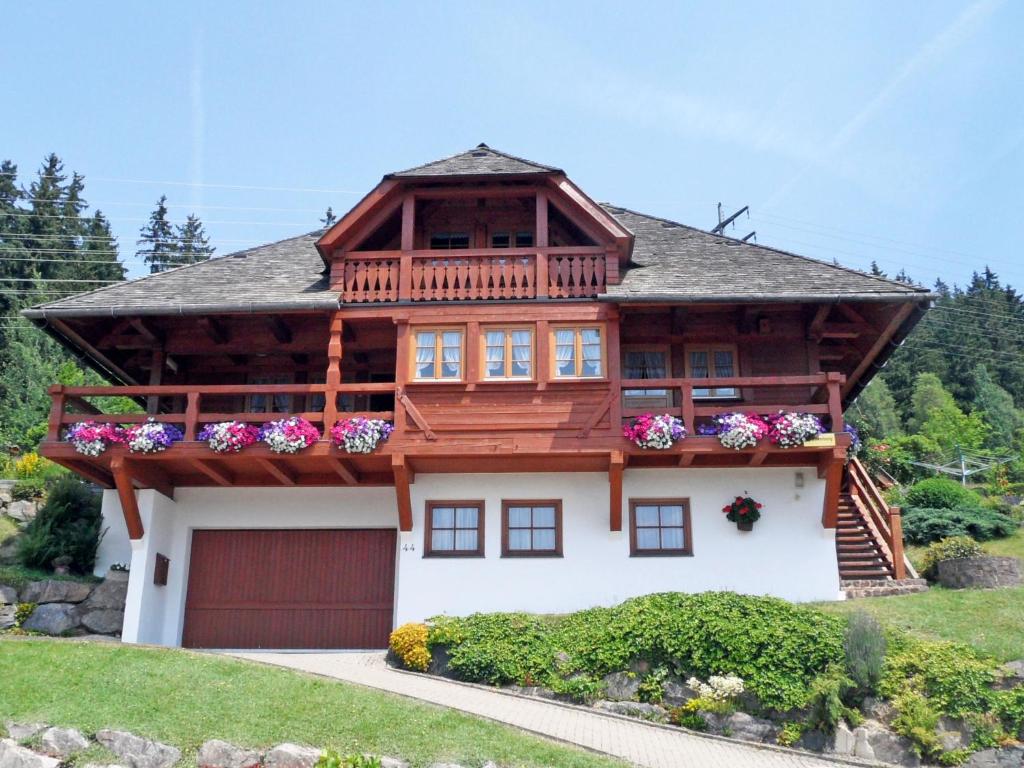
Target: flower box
<point>289,435</point>
<point>359,434</point>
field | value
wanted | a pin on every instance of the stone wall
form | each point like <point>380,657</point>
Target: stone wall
<point>68,607</point>
<point>19,511</point>
<point>979,572</point>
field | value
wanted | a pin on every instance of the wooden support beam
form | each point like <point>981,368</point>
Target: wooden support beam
<point>147,330</point>
<point>283,475</point>
<point>885,337</point>
<point>156,375</point>
<point>814,329</point>
<point>415,414</point>
<point>279,328</point>
<point>686,459</point>
<point>219,474</point>
<point>97,474</point>
<point>599,412</point>
<point>757,458</point>
<point>345,470</point>
<point>833,484</point>
<point>616,465</point>
<point>126,495</point>
<point>216,330</point>
<point>402,495</point>
<point>148,475</point>
<point>74,338</point>
<point>842,331</point>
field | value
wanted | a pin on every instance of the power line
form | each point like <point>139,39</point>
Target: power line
<point>203,185</point>
<point>99,207</point>
<point>30,215</point>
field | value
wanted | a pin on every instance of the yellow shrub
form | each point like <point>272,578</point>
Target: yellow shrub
<point>28,465</point>
<point>409,643</point>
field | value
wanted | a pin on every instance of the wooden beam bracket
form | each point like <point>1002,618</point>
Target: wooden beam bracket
<point>403,498</point>
<point>616,466</point>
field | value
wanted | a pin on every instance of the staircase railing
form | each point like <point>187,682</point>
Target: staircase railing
<point>884,522</point>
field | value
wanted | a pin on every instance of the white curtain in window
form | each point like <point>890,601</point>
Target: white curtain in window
<point>522,352</point>
<point>495,360</point>
<point>565,352</point>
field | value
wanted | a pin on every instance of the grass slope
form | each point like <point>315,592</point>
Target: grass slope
<point>992,620</point>
<point>185,698</point>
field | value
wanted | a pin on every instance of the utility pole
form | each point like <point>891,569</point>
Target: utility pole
<point>723,223</point>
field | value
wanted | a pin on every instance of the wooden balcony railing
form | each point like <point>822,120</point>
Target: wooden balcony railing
<point>885,522</point>
<point>478,274</point>
<point>819,394</point>
<point>184,405</point>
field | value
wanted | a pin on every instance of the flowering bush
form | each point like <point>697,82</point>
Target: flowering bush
<point>229,436</point>
<point>289,435</point>
<point>409,643</point>
<point>650,431</point>
<point>855,442</point>
<point>718,687</point>
<point>740,430</point>
<point>790,430</point>
<point>151,436</point>
<point>742,510</point>
<point>359,434</point>
<point>91,438</point>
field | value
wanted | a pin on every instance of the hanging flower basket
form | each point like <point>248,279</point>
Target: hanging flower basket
<point>743,511</point>
<point>151,436</point>
<point>658,432</point>
<point>740,430</point>
<point>92,439</point>
<point>791,430</point>
<point>359,434</point>
<point>229,436</point>
<point>289,435</point>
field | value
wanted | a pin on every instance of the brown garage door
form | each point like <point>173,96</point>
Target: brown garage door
<point>290,589</point>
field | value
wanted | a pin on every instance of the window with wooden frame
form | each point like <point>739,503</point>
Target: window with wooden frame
<point>531,528</point>
<point>578,352</point>
<point>659,527</point>
<point>506,353</point>
<point>264,403</point>
<point>711,361</point>
<point>454,529</point>
<point>646,361</point>
<point>438,354</point>
<point>512,239</point>
<point>449,241</point>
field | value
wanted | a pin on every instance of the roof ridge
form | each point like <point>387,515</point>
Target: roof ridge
<point>136,280</point>
<point>879,278</point>
<point>480,146</point>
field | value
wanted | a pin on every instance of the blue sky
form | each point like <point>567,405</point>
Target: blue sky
<point>855,131</point>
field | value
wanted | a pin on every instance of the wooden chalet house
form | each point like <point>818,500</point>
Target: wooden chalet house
<point>508,326</point>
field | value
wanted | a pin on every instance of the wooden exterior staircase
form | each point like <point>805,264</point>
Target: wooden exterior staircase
<point>869,541</point>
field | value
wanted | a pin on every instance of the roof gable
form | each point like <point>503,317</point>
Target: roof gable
<point>482,160</point>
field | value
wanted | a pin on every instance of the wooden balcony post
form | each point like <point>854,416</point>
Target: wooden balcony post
<point>156,377</point>
<point>191,416</point>
<point>335,350</point>
<point>542,279</point>
<point>616,465</point>
<point>401,373</point>
<point>835,401</point>
<point>899,567</point>
<point>57,399</point>
<point>689,418</point>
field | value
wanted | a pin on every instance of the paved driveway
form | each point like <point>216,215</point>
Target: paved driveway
<point>635,741</point>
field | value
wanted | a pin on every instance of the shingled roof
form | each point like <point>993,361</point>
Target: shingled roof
<point>674,262</point>
<point>286,275</point>
<point>479,161</point>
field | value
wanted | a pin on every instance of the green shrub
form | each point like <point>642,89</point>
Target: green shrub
<point>951,548</point>
<point>22,612</point>
<point>28,488</point>
<point>69,524</point>
<point>331,759</point>
<point>923,526</point>
<point>776,647</point>
<point>825,698</point>
<point>686,717</point>
<point>790,733</point>
<point>954,677</point>
<point>918,721</point>
<point>652,687</point>
<point>865,652</point>
<point>1008,706</point>
<point>941,493</point>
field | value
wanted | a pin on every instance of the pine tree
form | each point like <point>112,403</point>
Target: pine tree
<point>158,241</point>
<point>193,244</point>
<point>996,407</point>
<point>876,270</point>
<point>874,412</point>
<point>329,218</point>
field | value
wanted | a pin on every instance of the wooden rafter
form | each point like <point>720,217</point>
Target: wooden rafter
<point>283,475</point>
<point>814,329</point>
<point>616,466</point>
<point>149,475</point>
<point>72,336</point>
<point>344,470</point>
<point>885,337</point>
<point>216,330</point>
<point>403,498</point>
<point>219,474</point>
<point>279,328</point>
<point>126,495</point>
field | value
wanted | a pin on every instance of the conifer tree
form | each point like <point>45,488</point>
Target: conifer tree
<point>193,244</point>
<point>157,239</point>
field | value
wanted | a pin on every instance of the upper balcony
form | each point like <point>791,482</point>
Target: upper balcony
<point>578,272</point>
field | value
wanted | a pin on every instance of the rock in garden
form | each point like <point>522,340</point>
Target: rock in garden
<point>954,734</point>
<point>22,511</point>
<point>8,595</point>
<point>22,731</point>
<point>445,765</point>
<point>220,754</point>
<point>53,618</point>
<point>14,756</point>
<point>879,709</point>
<point>63,742</point>
<point>110,594</point>
<point>1007,757</point>
<point>137,752</point>
<point>394,762</point>
<point>750,728</point>
<point>816,741</point>
<point>676,692</point>
<point>54,591</point>
<point>843,741</point>
<point>873,741</point>
<point>1011,674</point>
<point>8,616</point>
<point>633,709</point>
<point>291,756</point>
<point>7,491</point>
<point>105,621</point>
<point>621,686</point>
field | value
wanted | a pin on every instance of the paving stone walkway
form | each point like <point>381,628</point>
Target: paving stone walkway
<point>634,741</point>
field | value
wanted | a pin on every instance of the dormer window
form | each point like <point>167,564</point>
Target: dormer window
<point>449,241</point>
<point>512,239</point>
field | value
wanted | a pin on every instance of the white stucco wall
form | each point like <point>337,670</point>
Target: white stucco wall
<point>788,554</point>
<point>114,546</point>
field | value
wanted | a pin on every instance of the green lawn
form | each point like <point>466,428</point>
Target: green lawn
<point>185,698</point>
<point>992,620</point>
